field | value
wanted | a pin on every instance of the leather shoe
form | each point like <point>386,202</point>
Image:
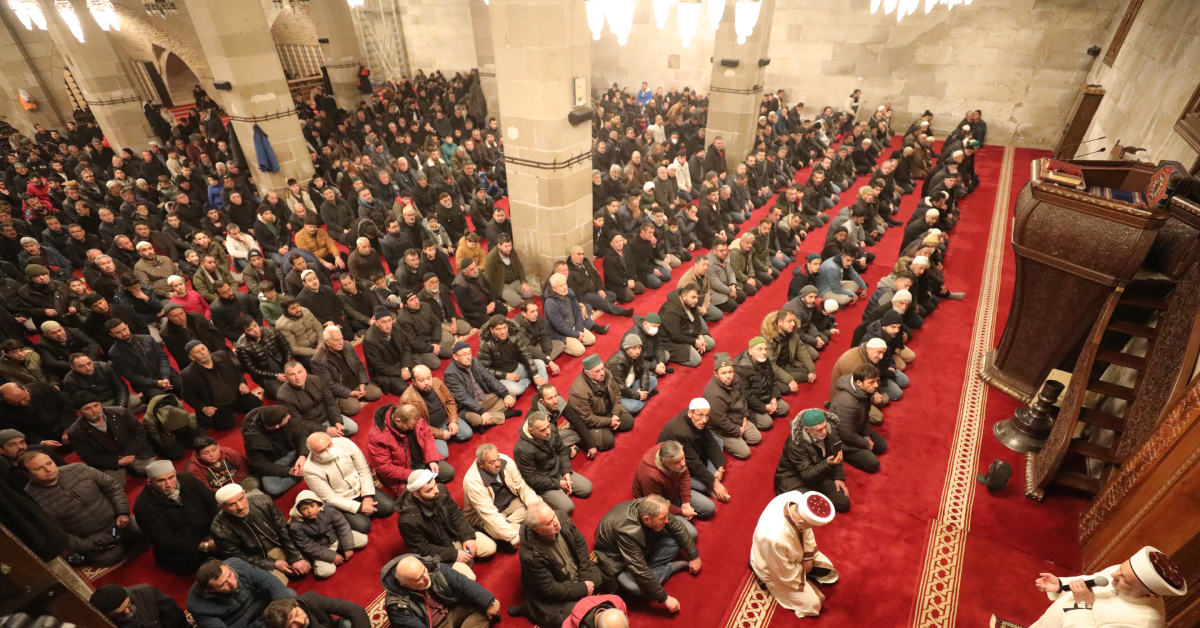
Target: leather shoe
<point>600,329</point>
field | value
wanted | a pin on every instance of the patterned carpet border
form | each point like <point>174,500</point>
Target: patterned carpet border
<point>936,603</point>
<point>753,607</point>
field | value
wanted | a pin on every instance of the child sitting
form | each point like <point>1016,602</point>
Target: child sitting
<point>322,534</point>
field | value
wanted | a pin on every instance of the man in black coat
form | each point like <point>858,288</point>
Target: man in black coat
<point>100,379</point>
<point>57,345</point>
<point>138,606</point>
<point>175,512</point>
<point>183,327</point>
<point>476,297</point>
<point>812,459</point>
<point>385,351</point>
<point>552,587</point>
<point>231,304</point>
<point>38,410</point>
<point>313,610</point>
<point>432,524</point>
<point>214,385</point>
<point>620,274</point>
<point>705,460</point>
<point>141,361</point>
<point>684,332</point>
<point>109,439</point>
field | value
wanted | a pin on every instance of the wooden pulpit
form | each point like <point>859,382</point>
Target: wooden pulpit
<point>1073,248</point>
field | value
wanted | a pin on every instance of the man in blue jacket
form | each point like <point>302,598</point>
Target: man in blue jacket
<point>837,279</point>
<point>232,594</point>
<point>422,593</point>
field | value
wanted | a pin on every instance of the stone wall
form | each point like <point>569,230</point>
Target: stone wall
<point>1021,61</point>
<point>294,27</point>
<point>1151,81</point>
<point>438,35</point>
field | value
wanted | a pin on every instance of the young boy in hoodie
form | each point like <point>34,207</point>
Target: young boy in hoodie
<point>322,534</point>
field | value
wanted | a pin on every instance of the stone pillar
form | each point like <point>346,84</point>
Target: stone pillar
<point>735,93</point>
<point>17,71</point>
<point>341,49</point>
<point>97,68</point>
<point>541,46</point>
<point>481,23</point>
<point>236,40</point>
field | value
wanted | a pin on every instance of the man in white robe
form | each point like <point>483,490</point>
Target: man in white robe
<point>1133,597</point>
<point>784,555</point>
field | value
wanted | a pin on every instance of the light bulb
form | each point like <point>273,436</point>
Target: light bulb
<point>689,18</point>
<point>662,9</point>
<point>716,10</point>
<point>745,16</point>
<point>595,17</point>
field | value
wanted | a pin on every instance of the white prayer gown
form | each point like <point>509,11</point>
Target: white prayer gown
<point>777,556</point>
<point>1109,610</point>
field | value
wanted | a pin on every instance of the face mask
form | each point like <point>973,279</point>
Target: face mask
<point>653,331</point>
<point>325,456</point>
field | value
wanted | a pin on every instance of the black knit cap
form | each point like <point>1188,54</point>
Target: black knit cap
<point>109,598</point>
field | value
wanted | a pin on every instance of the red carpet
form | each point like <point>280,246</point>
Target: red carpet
<point>878,547</point>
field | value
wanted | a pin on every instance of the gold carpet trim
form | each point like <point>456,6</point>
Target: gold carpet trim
<point>754,605</point>
<point>377,613</point>
<point>936,604</point>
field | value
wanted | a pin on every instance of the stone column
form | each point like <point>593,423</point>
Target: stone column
<point>17,71</point>
<point>341,49</point>
<point>97,68</point>
<point>541,46</point>
<point>735,93</point>
<point>236,39</point>
<point>481,23</point>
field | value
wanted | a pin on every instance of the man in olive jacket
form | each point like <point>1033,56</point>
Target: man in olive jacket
<point>812,459</point>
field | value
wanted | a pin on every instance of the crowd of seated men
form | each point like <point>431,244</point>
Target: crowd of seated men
<point>144,294</point>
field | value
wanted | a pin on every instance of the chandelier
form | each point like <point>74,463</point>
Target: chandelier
<point>354,4</point>
<point>29,12</point>
<point>908,7</point>
<point>104,14</point>
<point>619,15</point>
<point>67,12</point>
<point>160,8</point>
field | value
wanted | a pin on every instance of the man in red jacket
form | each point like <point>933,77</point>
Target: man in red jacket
<point>663,471</point>
<point>401,442</point>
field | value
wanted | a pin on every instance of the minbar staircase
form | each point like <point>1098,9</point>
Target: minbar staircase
<point>1128,313</point>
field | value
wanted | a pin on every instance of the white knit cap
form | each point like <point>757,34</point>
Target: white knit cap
<point>648,186</point>
<point>228,492</point>
<point>936,232</point>
<point>966,127</point>
<point>304,275</point>
<point>419,478</point>
<point>143,243</point>
<point>699,403</point>
<point>932,212</point>
<point>171,280</point>
<point>876,343</point>
<point>159,468</point>
<point>831,306</point>
<point>902,295</point>
<point>920,260</point>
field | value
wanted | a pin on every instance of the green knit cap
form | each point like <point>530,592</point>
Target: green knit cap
<point>757,340</point>
<point>813,417</point>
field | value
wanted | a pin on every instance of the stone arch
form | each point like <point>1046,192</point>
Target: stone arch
<point>173,33</point>
<point>294,27</point>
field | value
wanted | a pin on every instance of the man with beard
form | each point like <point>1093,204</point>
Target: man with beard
<point>812,459</point>
<point>138,606</point>
<point>763,382</point>
<point>730,419</point>
<point>57,345</point>
<point>432,524</point>
<point>422,331</point>
<point>43,298</point>
<point>250,527</point>
<point>263,351</point>
<point>1134,596</point>
<point>228,306</point>
<point>385,351</point>
<point>141,361</point>
<point>182,328</point>
<point>175,512</point>
<point>685,333</point>
<point>109,439</point>
<point>154,270</point>
<point>215,386</point>
<point>100,379</point>
<point>475,295</point>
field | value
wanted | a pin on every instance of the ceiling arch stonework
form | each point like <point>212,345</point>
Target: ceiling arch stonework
<point>174,33</point>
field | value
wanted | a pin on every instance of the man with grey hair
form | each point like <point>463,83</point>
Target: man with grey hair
<point>638,541</point>
<point>336,362</point>
<point>544,461</point>
<point>495,496</point>
<point>556,568</point>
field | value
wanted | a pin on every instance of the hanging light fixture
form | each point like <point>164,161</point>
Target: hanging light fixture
<point>29,12</point>
<point>745,16</point>
<point>69,18</point>
<point>104,14</point>
<point>905,8</point>
<point>689,19</point>
<point>716,10</point>
<point>160,8</point>
<point>662,10</point>
<point>595,17</point>
<point>620,18</point>
<point>354,4</point>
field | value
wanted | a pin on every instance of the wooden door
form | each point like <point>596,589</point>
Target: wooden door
<point>1078,123</point>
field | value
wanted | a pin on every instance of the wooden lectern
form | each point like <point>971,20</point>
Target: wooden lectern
<point>1073,250</point>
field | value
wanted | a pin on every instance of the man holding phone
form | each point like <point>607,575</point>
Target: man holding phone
<point>812,459</point>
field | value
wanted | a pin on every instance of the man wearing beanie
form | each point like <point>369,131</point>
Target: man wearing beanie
<point>889,330</point>
<point>12,445</point>
<point>476,296</point>
<point>852,404</point>
<point>812,458</point>
<point>729,416</point>
<point>21,364</point>
<point>214,384</point>
<point>138,606</point>
<point>175,511</point>
<point>764,382</point>
<point>422,332</point>
<point>386,353</point>
<point>596,397</point>
<point>109,439</point>
<point>44,298</point>
<point>633,373</point>
<point>480,396</point>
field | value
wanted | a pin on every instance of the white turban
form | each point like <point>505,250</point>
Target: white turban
<point>699,403</point>
<point>830,306</point>
<point>814,508</point>
<point>1143,565</point>
<point>228,492</point>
